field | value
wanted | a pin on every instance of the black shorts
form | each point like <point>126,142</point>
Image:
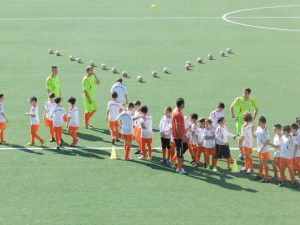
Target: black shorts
<point>165,143</point>
<point>180,148</point>
<point>222,151</point>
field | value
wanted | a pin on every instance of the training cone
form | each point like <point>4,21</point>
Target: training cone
<point>113,153</point>
<point>235,168</point>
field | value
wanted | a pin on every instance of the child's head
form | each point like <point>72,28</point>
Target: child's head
<point>262,121</point>
<point>298,121</point>
<point>168,111</point>
<point>286,129</point>
<point>220,106</point>
<point>130,106</point>
<point>72,101</point>
<point>208,123</point>
<point>89,70</point>
<point>137,105</point>
<point>277,129</point>
<point>222,121</point>
<point>58,100</point>
<point>180,103</point>
<point>202,122</point>
<point>54,70</point>
<point>247,117</point>
<point>1,97</point>
<point>294,128</point>
<point>194,117</point>
<point>119,80</point>
<point>144,109</point>
<point>51,96</point>
<point>114,95</point>
<point>32,100</point>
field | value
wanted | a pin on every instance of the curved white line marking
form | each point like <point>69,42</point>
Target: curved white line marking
<point>224,17</point>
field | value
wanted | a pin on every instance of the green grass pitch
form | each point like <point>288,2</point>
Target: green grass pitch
<point>82,186</point>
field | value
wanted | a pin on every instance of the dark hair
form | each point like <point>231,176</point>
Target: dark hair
<point>51,95</point>
<point>89,68</point>
<point>169,109</point>
<point>262,119</point>
<point>130,105</point>
<point>119,80</point>
<point>33,98</point>
<point>221,105</point>
<point>286,128</point>
<point>247,117</point>
<point>294,126</point>
<point>57,100</point>
<point>248,90</point>
<point>114,95</point>
<point>144,109</point>
<point>137,102</point>
<point>221,119</point>
<point>278,126</point>
<point>194,116</point>
<point>1,95</point>
<point>298,119</point>
<point>53,67</point>
<point>179,102</point>
<point>208,121</point>
<point>72,100</point>
<point>201,120</point>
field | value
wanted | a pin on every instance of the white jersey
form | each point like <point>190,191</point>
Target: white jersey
<point>193,128</point>
<point>187,124</point>
<point>209,133</point>
<point>147,122</point>
<point>247,135</point>
<point>165,126</point>
<point>2,119</point>
<point>114,108</point>
<point>34,117</point>
<point>200,136</point>
<point>57,114</point>
<point>262,136</point>
<point>287,147</point>
<point>121,90</point>
<point>48,109</point>
<point>222,135</point>
<point>74,118</point>
<point>127,123</point>
<point>215,116</point>
<point>296,138</point>
<point>137,122</point>
<point>277,141</point>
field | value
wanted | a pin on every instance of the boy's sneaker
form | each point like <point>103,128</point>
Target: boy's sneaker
<point>281,184</point>
<point>137,152</point>
<point>30,144</point>
<point>258,178</point>
<point>142,157</point>
<point>244,169</point>
<point>196,165</point>
<point>42,143</point>
<point>204,166</point>
<point>168,161</point>
<point>162,161</point>
<point>60,144</point>
<point>192,162</point>
<point>117,140</point>
<point>295,185</point>
<point>128,159</point>
<point>250,171</point>
<point>52,140</point>
<point>265,181</point>
<point>4,143</point>
<point>215,169</point>
<point>274,179</point>
<point>182,171</point>
<point>149,158</point>
<point>57,147</point>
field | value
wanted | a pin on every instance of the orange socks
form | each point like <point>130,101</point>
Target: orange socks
<point>275,169</point>
<point>266,168</point>
<point>149,149</point>
<point>228,160</point>
<point>2,135</point>
<point>164,151</point>
<point>250,160</point>
<point>179,165</point>
<point>169,153</point>
<point>206,159</point>
<point>87,117</point>
<point>260,170</point>
<point>74,136</point>
<point>117,133</point>
<point>34,136</point>
<point>127,150</point>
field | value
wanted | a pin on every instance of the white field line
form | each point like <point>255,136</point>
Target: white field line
<point>263,17</point>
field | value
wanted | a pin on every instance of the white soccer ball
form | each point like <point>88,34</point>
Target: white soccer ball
<point>154,74</point>
<point>229,50</point>
<point>50,51</point>
<point>72,58</point>
<point>166,70</point>
<point>114,70</point>
<point>222,53</point>
<point>210,57</point>
<point>103,66</point>
<point>187,66</point>
<point>189,63</point>
<point>79,60</point>
<point>57,53</point>
<point>92,63</point>
<point>125,74</point>
<point>139,78</point>
<point>199,60</point>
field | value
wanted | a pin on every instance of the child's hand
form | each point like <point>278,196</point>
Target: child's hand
<point>7,120</point>
<point>28,114</point>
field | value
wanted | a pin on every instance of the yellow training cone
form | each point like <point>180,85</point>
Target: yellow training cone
<point>154,5</point>
<point>235,168</point>
<point>113,153</point>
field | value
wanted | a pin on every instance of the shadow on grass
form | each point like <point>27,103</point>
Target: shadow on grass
<point>90,153</point>
<point>25,149</point>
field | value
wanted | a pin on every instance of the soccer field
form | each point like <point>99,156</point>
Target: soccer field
<point>82,185</point>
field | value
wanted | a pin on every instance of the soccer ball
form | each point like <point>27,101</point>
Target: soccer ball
<point>139,78</point>
<point>57,53</point>
<point>210,56</point>
<point>125,74</point>
<point>222,53</point>
<point>72,58</point>
<point>229,51</point>
<point>92,63</point>
<point>79,60</point>
<point>199,60</point>
<point>166,70</point>
<point>114,70</point>
<point>103,66</point>
<point>154,74</point>
<point>187,66</point>
<point>189,63</point>
<point>50,51</point>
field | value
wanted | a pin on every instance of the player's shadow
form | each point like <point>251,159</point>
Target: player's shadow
<point>25,149</point>
<point>75,152</point>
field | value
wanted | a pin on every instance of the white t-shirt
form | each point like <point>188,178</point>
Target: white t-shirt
<point>34,120</point>
<point>215,116</point>
<point>48,109</point>
<point>222,135</point>
<point>73,115</point>
<point>277,141</point>
<point>165,126</point>
<point>200,136</point>
<point>296,138</point>
<point>187,124</point>
<point>147,122</point>
<point>194,138</point>
<point>114,108</point>
<point>121,90</point>
<point>248,135</point>
<point>137,122</point>
<point>57,114</point>
<point>209,133</point>
<point>262,136</point>
<point>127,123</point>
<point>287,147</point>
<point>2,119</point>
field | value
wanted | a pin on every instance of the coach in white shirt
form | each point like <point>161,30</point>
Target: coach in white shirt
<point>121,90</point>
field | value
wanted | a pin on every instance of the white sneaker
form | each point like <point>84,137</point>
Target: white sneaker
<point>215,170</point>
<point>142,157</point>
<point>149,158</point>
<point>249,171</point>
<point>244,169</point>
<point>177,170</point>
<point>182,171</point>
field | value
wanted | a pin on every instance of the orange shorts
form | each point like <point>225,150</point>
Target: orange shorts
<point>286,162</point>
<point>72,129</point>
<point>2,126</point>
<point>248,151</point>
<point>34,128</point>
<point>276,160</point>
<point>201,149</point>
<point>113,124</point>
<point>147,140</point>
<point>127,137</point>
<point>48,123</point>
<point>210,151</point>
<point>57,129</point>
<point>138,133</point>
<point>264,156</point>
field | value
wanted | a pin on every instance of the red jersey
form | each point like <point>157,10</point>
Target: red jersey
<point>177,119</point>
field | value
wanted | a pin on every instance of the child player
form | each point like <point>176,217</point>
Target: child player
<point>200,141</point>
<point>193,137</point>
<point>209,143</point>
<point>34,121</point>
<point>127,129</point>
<point>3,121</point>
<point>296,137</point>
<point>277,143</point>
<point>137,125</point>
<point>73,121</point>
<point>50,104</point>
<point>58,114</point>
<point>217,114</point>
<point>146,136</point>
<point>165,129</point>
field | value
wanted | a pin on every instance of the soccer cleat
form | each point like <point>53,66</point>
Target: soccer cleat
<point>57,147</point>
<point>296,172</point>
<point>168,162</point>
<point>196,165</point>
<point>281,184</point>
<point>137,152</point>
<point>52,140</point>
<point>244,169</point>
<point>113,141</point>
<point>4,143</point>
<point>30,144</point>
<point>192,162</point>
<point>295,185</point>
<point>250,171</point>
<point>204,166</point>
<point>215,169</point>
<point>142,157</point>
<point>118,140</point>
<point>265,181</point>
<point>182,171</point>
<point>42,143</point>
<point>274,179</point>
<point>229,167</point>
<point>90,126</point>
<point>128,159</point>
<point>258,178</point>
<point>162,161</point>
<point>60,144</point>
<point>149,158</point>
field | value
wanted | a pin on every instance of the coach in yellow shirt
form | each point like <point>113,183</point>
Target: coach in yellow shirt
<point>53,83</point>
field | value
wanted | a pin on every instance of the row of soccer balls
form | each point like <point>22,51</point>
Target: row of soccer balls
<point>187,66</point>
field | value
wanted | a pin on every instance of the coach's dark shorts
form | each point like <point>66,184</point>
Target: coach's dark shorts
<point>165,143</point>
<point>180,148</point>
<point>222,151</point>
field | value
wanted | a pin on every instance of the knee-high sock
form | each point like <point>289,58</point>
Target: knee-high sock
<point>164,151</point>
<point>86,118</point>
<point>246,163</point>
<point>260,171</point>
<point>169,153</point>
<point>275,169</point>
<point>266,168</point>
<point>1,135</point>
<point>206,157</point>
<point>34,136</point>
<point>174,158</point>
<point>149,149</point>
<point>117,133</point>
<point>51,131</point>
<point>250,160</point>
<point>292,175</point>
<point>179,165</point>
<point>214,162</point>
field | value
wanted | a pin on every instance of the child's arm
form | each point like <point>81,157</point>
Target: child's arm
<point>6,119</point>
<point>106,116</point>
<point>265,144</point>
<point>68,121</point>
<point>253,132</point>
